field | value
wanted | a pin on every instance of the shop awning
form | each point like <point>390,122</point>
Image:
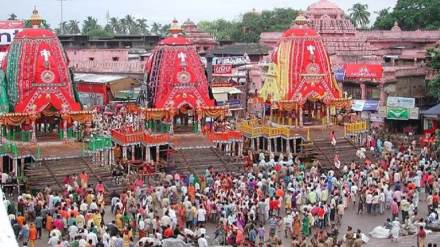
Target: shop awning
<point>227,90</point>
<point>363,71</point>
<point>432,113</point>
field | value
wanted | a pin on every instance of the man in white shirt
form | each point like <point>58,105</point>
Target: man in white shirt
<point>92,236</point>
<point>201,216</point>
<point>202,242</point>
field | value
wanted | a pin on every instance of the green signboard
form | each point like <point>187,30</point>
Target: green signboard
<point>397,113</point>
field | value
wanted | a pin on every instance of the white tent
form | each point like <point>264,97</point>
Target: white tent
<point>7,237</point>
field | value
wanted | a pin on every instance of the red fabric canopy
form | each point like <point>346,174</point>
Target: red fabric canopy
<point>363,71</point>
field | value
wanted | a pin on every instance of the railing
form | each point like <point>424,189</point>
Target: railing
<point>252,129</point>
<point>139,137</point>
<point>225,136</point>
<point>126,138</point>
<point>156,139</point>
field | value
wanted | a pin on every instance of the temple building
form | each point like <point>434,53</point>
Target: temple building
<point>177,86</point>
<point>36,91</point>
<point>300,81</point>
<point>203,41</point>
<point>401,54</point>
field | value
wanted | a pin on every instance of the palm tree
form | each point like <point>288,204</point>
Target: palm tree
<point>130,24</point>
<point>142,26</point>
<point>155,28</point>
<point>12,17</point>
<point>359,15</point>
<point>164,30</point>
<point>90,24</point>
<point>116,26</point>
<point>72,27</point>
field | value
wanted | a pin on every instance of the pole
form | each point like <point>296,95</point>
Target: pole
<point>61,16</point>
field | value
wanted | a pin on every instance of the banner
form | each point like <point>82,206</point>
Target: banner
<point>401,102</point>
<point>8,30</point>
<point>222,69</point>
<point>397,113</point>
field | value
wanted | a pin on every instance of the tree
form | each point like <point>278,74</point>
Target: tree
<point>412,15</point>
<point>142,26</point>
<point>435,58</point>
<point>115,25</point>
<point>90,24</point>
<point>434,85</point>
<point>12,17</point>
<point>220,29</point>
<point>250,25</point>
<point>359,15</point>
<point>72,27</point>
<point>155,28</point>
<point>384,20</point>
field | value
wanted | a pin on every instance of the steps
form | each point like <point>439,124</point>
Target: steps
<point>324,152</point>
<point>197,160</point>
<point>52,173</point>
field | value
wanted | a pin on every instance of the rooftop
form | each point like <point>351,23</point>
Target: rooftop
<point>97,78</point>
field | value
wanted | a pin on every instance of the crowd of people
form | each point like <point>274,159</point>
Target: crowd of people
<point>276,201</point>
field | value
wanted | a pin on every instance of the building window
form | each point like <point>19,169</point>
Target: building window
<point>115,59</point>
<point>91,59</point>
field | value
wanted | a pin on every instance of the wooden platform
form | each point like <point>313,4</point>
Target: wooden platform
<point>190,141</point>
<point>52,150</point>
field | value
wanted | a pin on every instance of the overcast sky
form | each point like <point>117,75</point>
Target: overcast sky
<point>162,11</point>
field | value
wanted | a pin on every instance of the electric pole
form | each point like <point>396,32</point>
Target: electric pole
<point>61,16</point>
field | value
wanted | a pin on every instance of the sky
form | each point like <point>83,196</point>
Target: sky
<point>162,11</point>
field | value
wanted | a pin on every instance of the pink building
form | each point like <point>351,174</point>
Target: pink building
<point>203,41</point>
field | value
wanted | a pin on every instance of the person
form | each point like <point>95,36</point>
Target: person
<point>421,236</point>
<point>24,232</point>
<point>33,235</point>
<point>349,237</point>
<point>333,138</point>
<point>395,230</point>
<point>202,242</point>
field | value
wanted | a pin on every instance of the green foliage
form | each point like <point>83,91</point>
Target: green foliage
<point>220,29</point>
<point>434,87</point>
<point>90,24</point>
<point>250,25</point>
<point>384,20</point>
<point>412,15</point>
<point>359,15</point>
<point>435,58</point>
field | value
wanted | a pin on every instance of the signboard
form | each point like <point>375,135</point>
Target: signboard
<point>222,69</point>
<point>339,73</point>
<point>414,113</point>
<point>374,117</point>
<point>8,30</point>
<point>383,111</point>
<point>371,105</point>
<point>236,60</point>
<point>363,71</point>
<point>397,113</point>
<point>358,105</point>
<point>401,102</point>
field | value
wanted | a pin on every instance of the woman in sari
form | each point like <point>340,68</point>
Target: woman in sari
<point>306,225</point>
